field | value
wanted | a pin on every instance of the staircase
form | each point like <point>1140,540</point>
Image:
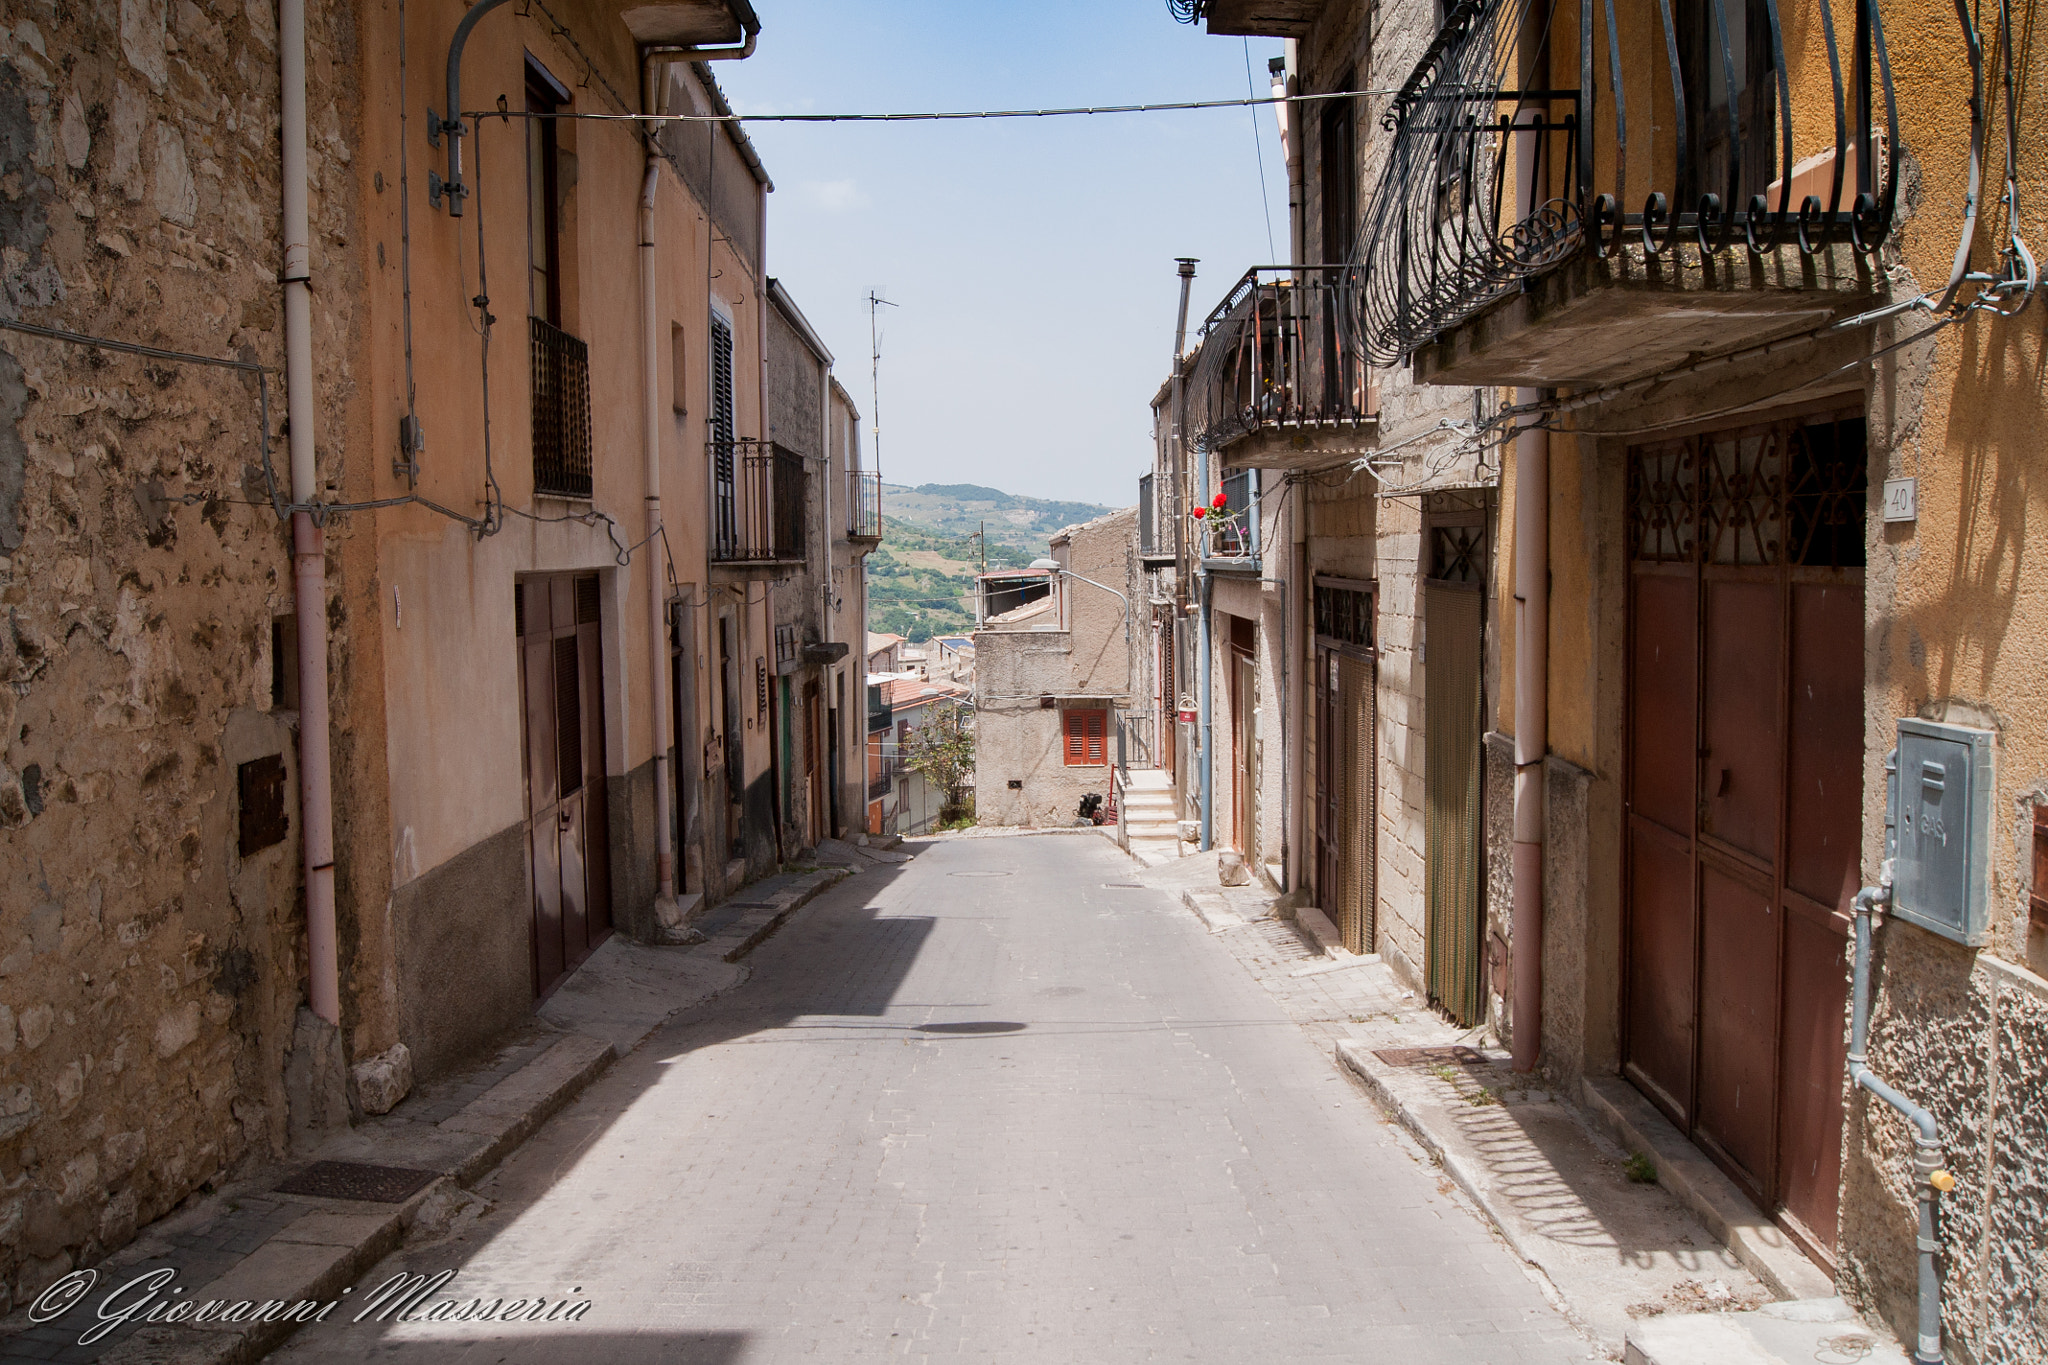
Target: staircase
<point>1150,827</point>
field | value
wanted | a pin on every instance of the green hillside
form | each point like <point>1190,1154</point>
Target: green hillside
<point>921,577</point>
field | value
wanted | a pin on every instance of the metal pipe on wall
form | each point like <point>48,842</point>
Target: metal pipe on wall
<point>309,541</point>
<point>1532,648</point>
<point>650,451</point>
<point>1927,1154</point>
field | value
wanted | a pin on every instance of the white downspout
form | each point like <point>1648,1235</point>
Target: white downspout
<point>652,551</point>
<point>309,541</point>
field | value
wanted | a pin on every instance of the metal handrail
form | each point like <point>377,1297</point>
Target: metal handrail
<point>864,504</point>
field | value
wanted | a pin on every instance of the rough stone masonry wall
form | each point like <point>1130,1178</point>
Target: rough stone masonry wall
<point>148,973</point>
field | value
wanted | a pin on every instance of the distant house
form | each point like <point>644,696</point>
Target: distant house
<point>885,653</point>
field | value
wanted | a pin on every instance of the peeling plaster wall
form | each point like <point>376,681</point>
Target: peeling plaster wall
<point>149,973</point>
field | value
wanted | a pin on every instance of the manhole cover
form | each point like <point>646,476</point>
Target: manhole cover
<point>1430,1056</point>
<point>352,1180</point>
<point>982,874</point>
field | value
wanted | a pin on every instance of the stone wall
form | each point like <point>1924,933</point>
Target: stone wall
<point>149,967</point>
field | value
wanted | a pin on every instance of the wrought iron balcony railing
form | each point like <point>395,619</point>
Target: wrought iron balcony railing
<point>864,504</point>
<point>1715,163</point>
<point>561,411</point>
<point>758,492</point>
<point>1231,531</point>
<point>1280,352</point>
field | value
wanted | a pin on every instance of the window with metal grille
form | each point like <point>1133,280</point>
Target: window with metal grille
<point>1790,492</point>
<point>1344,614</point>
<point>1086,730</point>
<point>1147,532</point>
<point>561,412</point>
<point>724,474</point>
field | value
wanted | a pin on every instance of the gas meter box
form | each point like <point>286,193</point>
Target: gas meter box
<point>1938,803</point>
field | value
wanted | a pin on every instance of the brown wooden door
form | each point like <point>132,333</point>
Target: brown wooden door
<point>1244,745</point>
<point>1745,705</point>
<point>814,769</point>
<point>561,685</point>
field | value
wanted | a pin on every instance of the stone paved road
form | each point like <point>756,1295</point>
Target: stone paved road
<point>980,1107</point>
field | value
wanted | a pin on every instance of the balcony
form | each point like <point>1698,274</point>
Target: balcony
<point>561,412</point>
<point>1250,18</point>
<point>1279,380</point>
<point>758,499</point>
<point>864,505</point>
<point>1230,534</point>
<point>1748,204</point>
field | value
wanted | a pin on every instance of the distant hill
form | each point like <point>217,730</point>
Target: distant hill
<point>958,509</point>
<point>921,577</point>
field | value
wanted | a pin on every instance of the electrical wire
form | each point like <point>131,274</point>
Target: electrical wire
<point>934,116</point>
<point>1259,146</point>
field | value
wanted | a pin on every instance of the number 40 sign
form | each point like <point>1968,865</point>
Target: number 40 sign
<point>1901,499</point>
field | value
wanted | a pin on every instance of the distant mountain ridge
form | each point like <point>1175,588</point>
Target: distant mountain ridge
<point>958,509</point>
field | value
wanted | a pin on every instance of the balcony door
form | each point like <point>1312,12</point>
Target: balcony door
<point>1744,796</point>
<point>561,688</point>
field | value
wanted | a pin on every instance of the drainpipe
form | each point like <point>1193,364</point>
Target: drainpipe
<point>1927,1131</point>
<point>1532,727</point>
<point>650,453</point>
<point>1207,767</point>
<point>309,541</point>
<point>1532,665</point>
<point>1179,432</point>
<point>1284,83</point>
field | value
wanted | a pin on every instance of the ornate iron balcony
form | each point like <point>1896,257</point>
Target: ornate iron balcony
<point>1708,91</point>
<point>1280,353</point>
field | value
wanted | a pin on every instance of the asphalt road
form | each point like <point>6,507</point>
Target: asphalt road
<point>984,1106</point>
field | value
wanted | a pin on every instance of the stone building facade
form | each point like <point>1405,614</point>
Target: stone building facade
<point>1054,678</point>
<point>1770,505</point>
<point>525,673</point>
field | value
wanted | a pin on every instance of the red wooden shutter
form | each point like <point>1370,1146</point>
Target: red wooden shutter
<point>1085,732</point>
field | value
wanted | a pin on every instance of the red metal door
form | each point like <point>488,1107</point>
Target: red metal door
<point>1745,697</point>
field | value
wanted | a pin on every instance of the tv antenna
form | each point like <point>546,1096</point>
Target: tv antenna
<point>876,303</point>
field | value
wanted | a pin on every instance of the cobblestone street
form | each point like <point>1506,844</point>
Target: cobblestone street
<point>1000,1103</point>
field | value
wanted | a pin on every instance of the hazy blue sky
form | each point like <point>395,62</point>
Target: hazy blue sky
<point>1032,259</point>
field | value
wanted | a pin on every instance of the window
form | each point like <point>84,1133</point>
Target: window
<point>544,95</point>
<point>724,476</point>
<point>679,382</point>
<point>1086,729</point>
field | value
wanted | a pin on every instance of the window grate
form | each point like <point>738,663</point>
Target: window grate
<point>561,412</point>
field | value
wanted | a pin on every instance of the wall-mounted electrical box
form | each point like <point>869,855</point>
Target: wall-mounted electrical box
<point>1938,810</point>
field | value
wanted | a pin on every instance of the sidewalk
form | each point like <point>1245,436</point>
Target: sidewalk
<point>1634,1235</point>
<point>352,1202</point>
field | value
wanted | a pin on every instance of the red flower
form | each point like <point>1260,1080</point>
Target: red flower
<point>1220,501</point>
<point>1199,513</point>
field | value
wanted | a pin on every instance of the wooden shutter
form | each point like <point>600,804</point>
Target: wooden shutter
<point>1085,730</point>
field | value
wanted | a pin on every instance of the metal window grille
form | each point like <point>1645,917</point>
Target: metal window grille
<point>864,504</point>
<point>1344,616</point>
<point>1148,531</point>
<point>561,412</point>
<point>762,495</point>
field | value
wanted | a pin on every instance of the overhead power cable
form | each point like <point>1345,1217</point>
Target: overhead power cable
<point>931,116</point>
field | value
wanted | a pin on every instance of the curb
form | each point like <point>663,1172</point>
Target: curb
<point>1357,1059</point>
<point>823,881</point>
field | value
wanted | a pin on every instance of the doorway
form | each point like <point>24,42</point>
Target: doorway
<point>1744,795</point>
<point>561,689</point>
<point>1244,737</point>
<point>1454,716</point>
<point>1344,757</point>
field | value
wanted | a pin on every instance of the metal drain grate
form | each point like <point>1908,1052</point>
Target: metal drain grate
<point>353,1180</point>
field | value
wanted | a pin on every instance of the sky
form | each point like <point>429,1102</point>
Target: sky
<point>1031,262</point>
